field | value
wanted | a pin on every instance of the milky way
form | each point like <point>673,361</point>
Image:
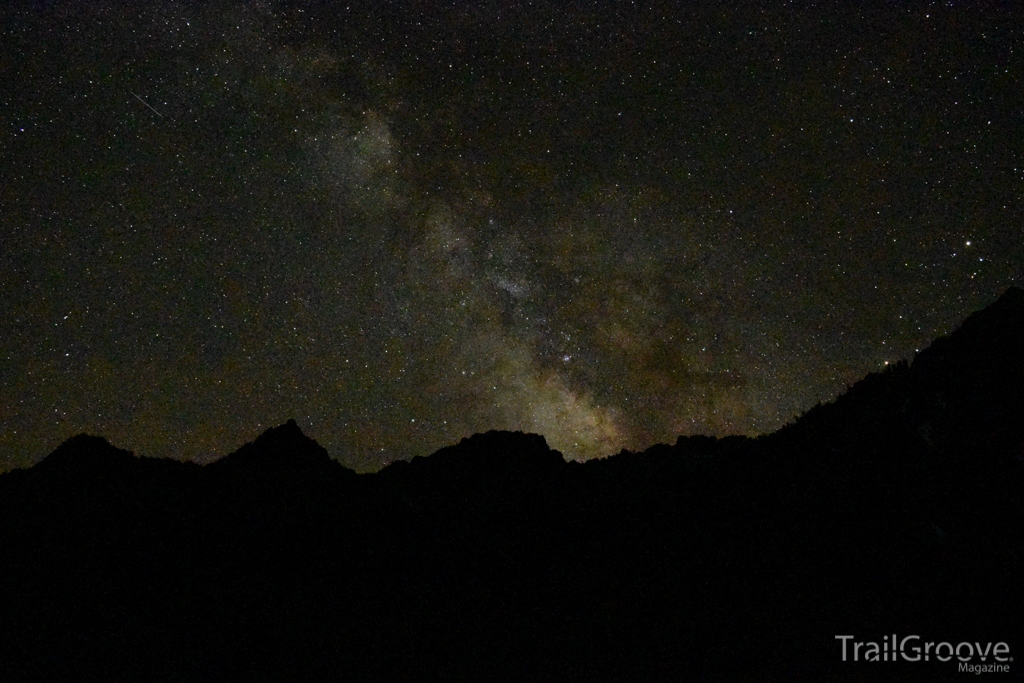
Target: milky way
<point>403,223</point>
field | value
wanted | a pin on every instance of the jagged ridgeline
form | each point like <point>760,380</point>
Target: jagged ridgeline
<point>895,510</point>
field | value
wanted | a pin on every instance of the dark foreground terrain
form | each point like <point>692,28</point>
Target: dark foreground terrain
<point>894,510</point>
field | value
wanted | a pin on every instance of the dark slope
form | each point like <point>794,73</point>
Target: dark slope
<point>895,509</point>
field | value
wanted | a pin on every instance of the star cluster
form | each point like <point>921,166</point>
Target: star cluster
<point>404,222</point>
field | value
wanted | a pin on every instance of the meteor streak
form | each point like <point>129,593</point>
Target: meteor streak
<point>148,105</point>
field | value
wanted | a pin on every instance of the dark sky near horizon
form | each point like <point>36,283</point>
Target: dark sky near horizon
<point>404,222</point>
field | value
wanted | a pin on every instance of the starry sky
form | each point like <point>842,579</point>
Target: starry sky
<point>402,222</point>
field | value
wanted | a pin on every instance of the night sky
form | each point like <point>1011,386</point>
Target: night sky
<point>404,222</point>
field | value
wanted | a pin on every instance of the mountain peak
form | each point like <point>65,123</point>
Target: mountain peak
<point>497,449</point>
<point>88,451</point>
<point>284,446</point>
<point>287,432</point>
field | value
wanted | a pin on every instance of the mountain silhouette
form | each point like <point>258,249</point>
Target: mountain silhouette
<point>895,509</point>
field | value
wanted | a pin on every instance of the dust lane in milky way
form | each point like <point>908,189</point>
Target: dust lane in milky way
<point>403,224</point>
